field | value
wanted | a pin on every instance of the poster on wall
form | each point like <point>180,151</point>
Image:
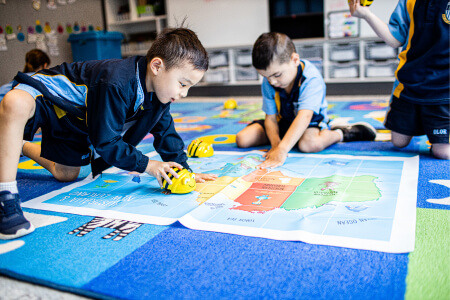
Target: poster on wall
<point>342,24</point>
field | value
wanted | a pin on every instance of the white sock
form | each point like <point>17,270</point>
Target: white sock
<point>9,186</point>
<point>21,150</point>
<point>340,133</point>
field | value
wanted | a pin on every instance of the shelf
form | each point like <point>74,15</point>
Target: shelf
<point>138,20</point>
<point>318,51</point>
<point>244,82</point>
<point>359,80</point>
<point>133,53</point>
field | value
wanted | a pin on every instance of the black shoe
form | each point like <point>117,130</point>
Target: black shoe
<point>360,131</point>
<point>12,222</point>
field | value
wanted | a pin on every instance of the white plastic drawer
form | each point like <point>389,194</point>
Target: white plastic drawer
<point>218,59</point>
<point>243,57</point>
<point>310,51</point>
<point>344,52</point>
<point>246,73</point>
<point>381,69</point>
<point>379,50</point>
<point>344,70</point>
<point>219,75</point>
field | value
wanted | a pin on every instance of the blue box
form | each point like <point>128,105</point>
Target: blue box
<point>94,45</point>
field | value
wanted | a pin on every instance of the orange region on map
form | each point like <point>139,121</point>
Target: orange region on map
<point>210,188</point>
<point>264,197</point>
<point>272,177</point>
<point>268,190</point>
<point>236,189</point>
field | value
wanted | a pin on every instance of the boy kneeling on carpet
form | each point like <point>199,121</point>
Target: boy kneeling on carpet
<point>294,102</point>
<point>110,105</point>
<point>420,100</point>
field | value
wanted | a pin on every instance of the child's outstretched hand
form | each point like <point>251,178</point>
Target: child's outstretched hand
<point>159,170</point>
<point>275,157</point>
<point>357,10</point>
<point>200,177</point>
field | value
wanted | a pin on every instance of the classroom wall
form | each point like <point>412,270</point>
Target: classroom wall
<point>21,12</point>
<point>221,23</point>
<point>381,8</point>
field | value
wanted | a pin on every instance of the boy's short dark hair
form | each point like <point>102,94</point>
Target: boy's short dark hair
<point>271,46</point>
<point>176,45</point>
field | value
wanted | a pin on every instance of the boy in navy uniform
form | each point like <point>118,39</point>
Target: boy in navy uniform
<point>110,105</point>
<point>294,102</point>
<point>420,97</point>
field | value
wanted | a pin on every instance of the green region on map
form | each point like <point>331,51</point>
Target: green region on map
<point>315,192</point>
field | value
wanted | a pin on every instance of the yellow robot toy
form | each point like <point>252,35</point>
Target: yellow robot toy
<point>365,2</point>
<point>199,148</point>
<point>185,183</point>
<point>230,104</point>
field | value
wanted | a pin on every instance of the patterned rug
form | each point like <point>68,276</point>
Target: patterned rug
<point>109,258</point>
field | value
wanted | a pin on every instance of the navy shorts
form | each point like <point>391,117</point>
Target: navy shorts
<point>283,125</point>
<point>63,140</point>
<point>418,119</point>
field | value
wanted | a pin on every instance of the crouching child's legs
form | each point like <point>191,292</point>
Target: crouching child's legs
<point>441,151</point>
<point>253,135</point>
<point>60,172</point>
<point>316,140</point>
<point>15,109</point>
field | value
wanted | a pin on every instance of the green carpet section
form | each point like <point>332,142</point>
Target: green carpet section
<point>429,264</point>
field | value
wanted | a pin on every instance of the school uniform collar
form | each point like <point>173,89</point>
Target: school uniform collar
<point>298,77</point>
<point>150,97</point>
<point>142,66</point>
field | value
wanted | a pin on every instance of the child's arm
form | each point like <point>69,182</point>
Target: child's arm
<point>277,155</point>
<point>170,147</point>
<point>380,28</point>
<point>272,130</point>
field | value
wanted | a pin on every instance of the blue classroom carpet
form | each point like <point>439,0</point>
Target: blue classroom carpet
<point>176,262</point>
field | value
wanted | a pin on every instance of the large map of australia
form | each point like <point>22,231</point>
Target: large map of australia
<point>324,199</point>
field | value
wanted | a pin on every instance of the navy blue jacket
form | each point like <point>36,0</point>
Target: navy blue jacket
<point>108,94</point>
<point>422,26</point>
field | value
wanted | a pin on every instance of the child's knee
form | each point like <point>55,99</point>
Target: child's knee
<point>441,151</point>
<point>309,146</point>
<point>14,106</point>
<point>241,140</point>
<point>400,140</point>
<point>399,144</point>
<point>66,174</point>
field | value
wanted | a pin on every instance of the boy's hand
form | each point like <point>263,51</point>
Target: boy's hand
<point>159,170</point>
<point>357,10</point>
<point>200,177</point>
<point>267,154</point>
<point>274,158</point>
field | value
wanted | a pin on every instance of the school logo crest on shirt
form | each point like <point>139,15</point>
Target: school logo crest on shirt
<point>446,16</point>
